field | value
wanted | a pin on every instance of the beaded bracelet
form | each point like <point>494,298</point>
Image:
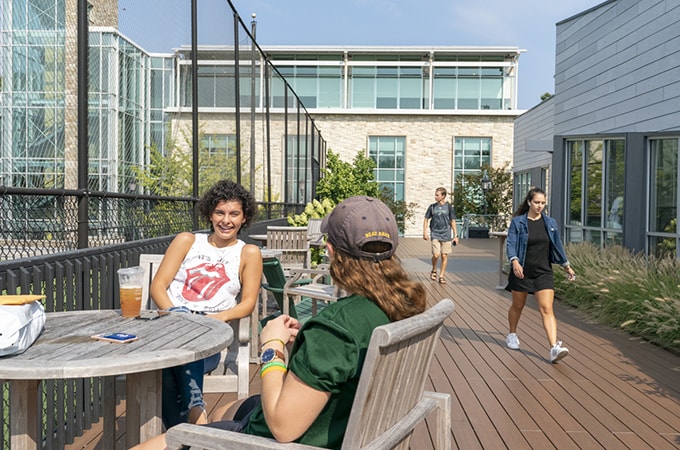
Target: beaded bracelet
<point>271,367</point>
<point>283,344</point>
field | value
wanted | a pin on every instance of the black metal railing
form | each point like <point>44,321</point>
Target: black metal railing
<point>73,280</point>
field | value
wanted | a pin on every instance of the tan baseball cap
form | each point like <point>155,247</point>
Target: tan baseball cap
<point>356,221</point>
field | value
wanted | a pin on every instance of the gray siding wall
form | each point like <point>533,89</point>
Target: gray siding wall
<point>533,143</point>
<point>618,69</point>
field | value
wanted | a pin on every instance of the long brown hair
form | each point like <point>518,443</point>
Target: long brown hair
<point>384,282</point>
<point>524,206</point>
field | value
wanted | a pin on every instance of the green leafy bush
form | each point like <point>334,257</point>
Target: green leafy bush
<point>637,293</point>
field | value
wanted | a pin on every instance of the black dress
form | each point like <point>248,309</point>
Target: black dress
<point>538,274</point>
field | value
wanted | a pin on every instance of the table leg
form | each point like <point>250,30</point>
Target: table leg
<point>23,400</point>
<point>143,416</point>
<point>109,407</point>
<point>501,281</point>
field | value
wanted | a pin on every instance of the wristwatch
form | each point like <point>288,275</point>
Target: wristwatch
<point>270,354</point>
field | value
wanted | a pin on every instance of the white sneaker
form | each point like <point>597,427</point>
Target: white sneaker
<point>558,352</point>
<point>512,341</point>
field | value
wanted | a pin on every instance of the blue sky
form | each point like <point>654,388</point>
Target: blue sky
<point>527,24</point>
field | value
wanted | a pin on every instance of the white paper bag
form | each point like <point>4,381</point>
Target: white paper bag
<point>20,326</point>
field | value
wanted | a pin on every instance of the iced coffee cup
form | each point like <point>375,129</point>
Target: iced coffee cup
<point>130,280</point>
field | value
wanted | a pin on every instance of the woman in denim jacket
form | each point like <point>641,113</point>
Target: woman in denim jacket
<point>533,245</point>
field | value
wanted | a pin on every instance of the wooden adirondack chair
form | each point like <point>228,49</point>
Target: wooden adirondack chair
<point>314,233</point>
<point>293,244</point>
<point>390,401</point>
<point>232,374</point>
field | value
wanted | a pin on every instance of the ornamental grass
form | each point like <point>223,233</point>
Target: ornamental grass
<point>636,293</point>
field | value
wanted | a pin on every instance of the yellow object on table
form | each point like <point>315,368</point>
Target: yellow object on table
<point>19,299</point>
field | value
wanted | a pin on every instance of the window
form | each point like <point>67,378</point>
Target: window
<point>298,169</point>
<point>389,153</point>
<point>217,86</point>
<point>595,177</point>
<point>218,150</point>
<point>663,204</point>
<point>469,155</point>
<point>220,145</point>
<point>522,185</point>
<point>316,86</point>
<point>388,87</point>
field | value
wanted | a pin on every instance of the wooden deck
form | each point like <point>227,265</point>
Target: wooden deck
<point>613,391</point>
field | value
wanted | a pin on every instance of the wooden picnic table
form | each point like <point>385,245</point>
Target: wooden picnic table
<point>66,350</point>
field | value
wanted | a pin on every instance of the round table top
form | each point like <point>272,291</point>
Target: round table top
<point>66,349</point>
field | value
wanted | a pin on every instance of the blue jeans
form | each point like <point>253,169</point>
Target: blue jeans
<point>183,389</point>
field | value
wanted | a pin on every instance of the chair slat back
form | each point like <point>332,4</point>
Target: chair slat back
<point>150,264</point>
<point>314,233</point>
<point>394,374</point>
<point>293,244</point>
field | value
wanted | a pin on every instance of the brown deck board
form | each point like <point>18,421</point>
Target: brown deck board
<point>613,391</point>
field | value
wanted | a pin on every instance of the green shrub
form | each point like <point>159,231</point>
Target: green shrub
<point>637,293</point>
<point>314,210</point>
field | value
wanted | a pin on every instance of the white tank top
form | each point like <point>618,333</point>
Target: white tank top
<point>208,278</point>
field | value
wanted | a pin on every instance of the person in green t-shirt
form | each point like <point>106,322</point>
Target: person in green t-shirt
<point>310,373</point>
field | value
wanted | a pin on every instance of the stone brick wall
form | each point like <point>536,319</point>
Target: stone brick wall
<point>429,146</point>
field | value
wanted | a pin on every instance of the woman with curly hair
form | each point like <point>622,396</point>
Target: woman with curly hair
<point>310,373</point>
<point>215,274</point>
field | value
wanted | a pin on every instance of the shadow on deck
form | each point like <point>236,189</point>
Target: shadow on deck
<point>614,391</point>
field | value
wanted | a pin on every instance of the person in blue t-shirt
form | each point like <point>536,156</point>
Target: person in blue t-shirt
<point>441,217</point>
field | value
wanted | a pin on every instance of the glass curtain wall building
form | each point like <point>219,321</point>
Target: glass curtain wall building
<point>400,78</point>
<point>422,113</point>
<point>39,80</point>
<point>395,104</point>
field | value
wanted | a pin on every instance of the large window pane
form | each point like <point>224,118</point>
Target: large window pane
<point>664,186</point>
<point>388,152</point>
<point>469,88</point>
<point>575,181</point>
<point>595,188</point>
<point>444,89</point>
<point>330,87</point>
<point>614,184</point>
<point>363,87</point>
<point>470,154</point>
<point>594,184</point>
<point>299,171</point>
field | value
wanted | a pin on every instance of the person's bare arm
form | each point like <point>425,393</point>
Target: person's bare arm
<point>455,231</point>
<point>290,406</point>
<point>175,254</point>
<point>250,273</point>
<point>425,222</point>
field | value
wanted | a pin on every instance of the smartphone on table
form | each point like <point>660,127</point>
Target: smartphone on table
<point>119,338</point>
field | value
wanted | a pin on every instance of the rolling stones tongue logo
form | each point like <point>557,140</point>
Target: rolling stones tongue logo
<point>204,281</point>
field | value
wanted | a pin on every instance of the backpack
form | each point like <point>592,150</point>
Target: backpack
<point>430,209</point>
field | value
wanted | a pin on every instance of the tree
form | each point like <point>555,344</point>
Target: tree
<point>469,198</point>
<point>546,96</point>
<point>169,173</point>
<point>341,180</point>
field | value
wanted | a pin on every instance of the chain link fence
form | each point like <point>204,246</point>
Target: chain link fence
<point>42,223</point>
